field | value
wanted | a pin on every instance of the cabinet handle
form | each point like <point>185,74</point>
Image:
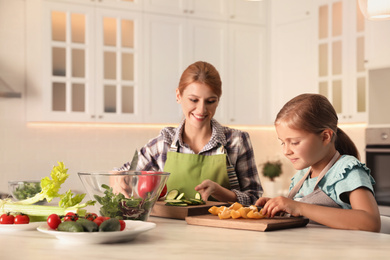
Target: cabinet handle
<point>232,120</point>
<point>100,116</point>
<point>192,11</point>
<point>307,13</point>
<point>232,17</point>
<point>185,11</point>
<point>92,116</point>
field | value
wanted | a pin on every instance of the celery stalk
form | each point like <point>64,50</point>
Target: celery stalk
<point>39,212</point>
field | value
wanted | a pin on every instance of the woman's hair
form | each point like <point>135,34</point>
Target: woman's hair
<point>201,72</point>
<point>314,113</point>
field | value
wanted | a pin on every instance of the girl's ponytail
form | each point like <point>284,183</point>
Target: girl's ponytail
<point>345,145</point>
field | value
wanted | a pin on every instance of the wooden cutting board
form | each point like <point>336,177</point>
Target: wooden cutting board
<point>265,224</point>
<point>161,210</point>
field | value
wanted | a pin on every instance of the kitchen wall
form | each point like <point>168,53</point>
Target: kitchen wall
<point>29,151</point>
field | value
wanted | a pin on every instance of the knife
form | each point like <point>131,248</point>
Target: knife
<point>134,161</point>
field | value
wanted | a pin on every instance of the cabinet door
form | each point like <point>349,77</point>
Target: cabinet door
<point>118,89</point>
<point>208,41</point>
<point>122,4</point>
<point>377,44</point>
<point>68,60</point>
<point>253,12</point>
<point>245,80</point>
<point>293,56</point>
<point>341,71</point>
<point>209,9</point>
<point>164,63</point>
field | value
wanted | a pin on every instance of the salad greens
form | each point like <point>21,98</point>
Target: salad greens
<point>50,190</point>
<point>117,205</point>
<point>26,190</point>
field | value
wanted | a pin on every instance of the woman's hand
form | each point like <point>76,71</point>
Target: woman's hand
<point>209,188</point>
<point>120,184</point>
<point>279,204</point>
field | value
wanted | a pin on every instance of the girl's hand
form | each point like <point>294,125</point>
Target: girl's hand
<point>281,204</point>
<point>207,188</point>
<point>261,201</point>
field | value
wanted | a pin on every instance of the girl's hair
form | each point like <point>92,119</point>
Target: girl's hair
<point>314,113</point>
<point>201,72</point>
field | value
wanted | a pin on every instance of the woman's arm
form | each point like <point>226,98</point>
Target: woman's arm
<point>364,214</point>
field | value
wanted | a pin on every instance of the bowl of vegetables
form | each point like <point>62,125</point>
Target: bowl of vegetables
<point>21,190</point>
<point>128,195</point>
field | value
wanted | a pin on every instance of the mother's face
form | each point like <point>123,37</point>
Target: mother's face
<point>198,103</point>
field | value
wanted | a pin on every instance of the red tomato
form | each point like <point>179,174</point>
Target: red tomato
<point>91,216</point>
<point>7,219</point>
<point>147,184</point>
<point>163,192</point>
<point>123,224</point>
<point>53,221</point>
<point>22,219</point>
<point>70,216</point>
<point>99,220</point>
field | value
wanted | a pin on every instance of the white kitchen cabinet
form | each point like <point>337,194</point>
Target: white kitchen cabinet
<point>223,10</point>
<point>377,44</point>
<point>119,4</point>
<point>250,12</point>
<point>236,50</point>
<point>173,43</point>
<point>245,81</point>
<point>292,60</point>
<point>83,63</point>
<point>207,9</point>
<point>342,76</point>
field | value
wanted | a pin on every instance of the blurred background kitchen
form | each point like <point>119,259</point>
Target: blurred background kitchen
<point>87,82</point>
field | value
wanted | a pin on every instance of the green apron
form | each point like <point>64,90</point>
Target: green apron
<point>189,170</point>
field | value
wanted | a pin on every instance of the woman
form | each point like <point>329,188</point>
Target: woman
<point>200,154</point>
<point>332,187</point>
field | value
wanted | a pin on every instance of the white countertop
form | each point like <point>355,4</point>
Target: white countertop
<point>175,239</point>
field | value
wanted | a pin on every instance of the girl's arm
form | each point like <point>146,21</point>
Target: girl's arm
<point>364,214</point>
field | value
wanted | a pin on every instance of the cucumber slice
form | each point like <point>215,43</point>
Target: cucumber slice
<point>173,201</point>
<point>181,196</point>
<point>177,204</point>
<point>172,194</point>
<point>198,196</point>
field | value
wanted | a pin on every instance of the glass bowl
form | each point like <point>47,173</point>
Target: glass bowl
<point>21,190</point>
<point>128,195</point>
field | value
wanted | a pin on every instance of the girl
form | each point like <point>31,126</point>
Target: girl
<point>332,187</point>
<point>200,154</point>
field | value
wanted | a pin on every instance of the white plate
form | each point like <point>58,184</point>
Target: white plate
<point>19,227</point>
<point>133,229</point>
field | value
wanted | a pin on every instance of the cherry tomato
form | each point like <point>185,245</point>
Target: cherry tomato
<point>147,184</point>
<point>70,216</point>
<point>7,218</point>
<point>91,216</point>
<point>53,221</point>
<point>21,219</point>
<point>99,220</point>
<point>163,192</point>
<point>123,224</point>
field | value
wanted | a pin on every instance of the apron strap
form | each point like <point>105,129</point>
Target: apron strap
<point>298,186</point>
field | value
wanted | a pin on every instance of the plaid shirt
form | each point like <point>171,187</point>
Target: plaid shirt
<point>237,143</point>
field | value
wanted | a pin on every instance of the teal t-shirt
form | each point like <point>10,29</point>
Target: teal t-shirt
<point>346,175</point>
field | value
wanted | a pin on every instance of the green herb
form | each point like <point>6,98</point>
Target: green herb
<point>27,190</point>
<point>118,206</point>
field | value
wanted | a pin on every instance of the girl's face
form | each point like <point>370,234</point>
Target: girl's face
<point>198,103</point>
<point>302,148</point>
